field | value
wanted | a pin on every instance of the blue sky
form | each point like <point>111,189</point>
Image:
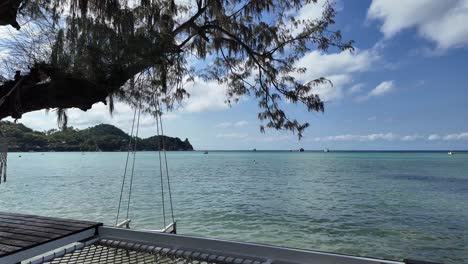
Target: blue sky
<point>403,88</point>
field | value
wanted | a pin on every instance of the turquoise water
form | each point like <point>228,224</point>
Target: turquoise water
<point>377,204</point>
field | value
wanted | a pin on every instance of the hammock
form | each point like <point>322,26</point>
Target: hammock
<point>117,245</point>
<point>105,251</point>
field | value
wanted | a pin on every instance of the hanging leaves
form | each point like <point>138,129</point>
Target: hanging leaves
<point>250,45</point>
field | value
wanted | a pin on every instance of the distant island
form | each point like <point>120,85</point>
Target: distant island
<point>102,137</point>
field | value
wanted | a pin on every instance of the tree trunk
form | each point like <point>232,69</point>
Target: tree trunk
<point>63,93</point>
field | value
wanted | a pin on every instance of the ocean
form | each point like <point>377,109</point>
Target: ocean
<point>390,205</point>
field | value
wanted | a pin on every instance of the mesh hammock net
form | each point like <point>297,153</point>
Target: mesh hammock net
<point>110,251</point>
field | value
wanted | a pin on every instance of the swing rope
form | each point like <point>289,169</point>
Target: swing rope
<point>134,156</point>
<point>160,168</point>
<point>132,147</point>
<point>159,117</point>
<point>129,148</point>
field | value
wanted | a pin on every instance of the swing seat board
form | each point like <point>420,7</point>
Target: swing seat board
<point>23,236</point>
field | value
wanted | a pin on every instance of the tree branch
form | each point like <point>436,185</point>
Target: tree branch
<point>189,22</point>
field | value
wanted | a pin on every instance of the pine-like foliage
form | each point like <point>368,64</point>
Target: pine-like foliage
<point>146,52</point>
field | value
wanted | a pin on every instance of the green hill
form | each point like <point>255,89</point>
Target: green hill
<point>102,137</point>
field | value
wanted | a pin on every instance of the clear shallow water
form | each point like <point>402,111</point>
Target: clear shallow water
<point>377,204</point>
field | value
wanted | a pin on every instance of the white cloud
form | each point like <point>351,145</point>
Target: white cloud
<point>100,114</point>
<point>393,137</point>
<point>381,89</point>
<point>319,63</point>
<point>241,123</point>
<point>411,138</point>
<point>442,22</point>
<point>311,11</point>
<point>337,67</point>
<point>233,136</point>
<point>6,32</point>
<point>121,118</point>
<point>170,116</point>
<point>460,136</point>
<point>224,124</point>
<point>184,16</point>
<point>3,54</point>
<point>329,92</point>
<point>205,96</point>
<point>370,137</point>
<point>355,88</point>
<point>38,120</point>
<point>273,138</point>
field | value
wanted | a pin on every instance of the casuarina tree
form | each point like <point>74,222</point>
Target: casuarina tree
<point>145,52</point>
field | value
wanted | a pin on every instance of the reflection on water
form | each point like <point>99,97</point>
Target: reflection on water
<point>385,205</point>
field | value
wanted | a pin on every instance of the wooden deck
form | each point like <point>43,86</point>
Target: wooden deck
<point>19,232</point>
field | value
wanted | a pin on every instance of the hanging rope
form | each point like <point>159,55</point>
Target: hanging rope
<point>165,160</point>
<point>126,166</point>
<point>134,136</point>
<point>134,149</point>
<point>134,156</point>
<point>160,164</point>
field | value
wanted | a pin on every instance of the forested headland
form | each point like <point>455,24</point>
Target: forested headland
<point>102,137</point>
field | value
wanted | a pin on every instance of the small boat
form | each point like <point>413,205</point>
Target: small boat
<point>301,150</point>
<point>326,150</point>
<point>451,153</point>
<point>254,149</point>
<point>206,152</point>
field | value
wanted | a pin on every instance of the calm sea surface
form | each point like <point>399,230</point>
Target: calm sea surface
<point>377,204</point>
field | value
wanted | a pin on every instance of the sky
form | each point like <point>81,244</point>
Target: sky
<point>403,88</point>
